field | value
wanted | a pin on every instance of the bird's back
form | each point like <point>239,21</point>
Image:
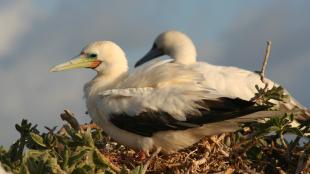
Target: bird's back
<point>236,82</point>
<point>231,81</point>
<point>159,73</point>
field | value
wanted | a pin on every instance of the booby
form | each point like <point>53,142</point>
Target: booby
<point>226,80</point>
<point>158,105</point>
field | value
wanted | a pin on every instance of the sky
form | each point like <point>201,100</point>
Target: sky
<point>35,35</point>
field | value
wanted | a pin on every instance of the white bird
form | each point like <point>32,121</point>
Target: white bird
<point>159,104</point>
<point>226,80</point>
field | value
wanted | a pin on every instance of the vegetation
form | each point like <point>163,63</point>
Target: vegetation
<point>258,147</point>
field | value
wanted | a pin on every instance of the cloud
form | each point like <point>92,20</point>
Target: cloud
<point>28,90</point>
<point>15,20</point>
<point>39,38</point>
<point>243,44</point>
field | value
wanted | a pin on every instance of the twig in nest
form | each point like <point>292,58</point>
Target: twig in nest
<point>262,71</point>
<point>148,162</point>
<point>302,161</point>
<point>283,140</point>
<point>69,117</point>
<point>190,153</point>
<point>200,161</point>
<point>229,170</point>
<point>196,163</point>
<point>216,139</point>
<point>109,163</point>
<point>226,154</point>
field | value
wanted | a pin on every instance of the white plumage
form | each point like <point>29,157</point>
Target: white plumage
<point>228,81</point>
<point>159,86</point>
<point>160,104</point>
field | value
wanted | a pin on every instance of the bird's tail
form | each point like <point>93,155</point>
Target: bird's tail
<point>292,105</point>
<point>170,141</point>
<point>232,125</point>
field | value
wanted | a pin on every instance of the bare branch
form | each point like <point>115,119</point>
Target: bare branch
<point>266,58</point>
<point>302,161</point>
<point>146,165</point>
<point>69,117</point>
<point>262,71</point>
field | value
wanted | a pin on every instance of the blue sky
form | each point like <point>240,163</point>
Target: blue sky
<point>36,35</point>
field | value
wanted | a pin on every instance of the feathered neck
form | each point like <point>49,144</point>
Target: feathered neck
<point>102,82</point>
<point>185,54</point>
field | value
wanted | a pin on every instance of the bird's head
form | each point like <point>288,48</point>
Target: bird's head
<point>173,43</point>
<point>102,56</point>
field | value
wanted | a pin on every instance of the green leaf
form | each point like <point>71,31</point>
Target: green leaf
<point>254,153</point>
<point>77,157</point>
<point>18,128</point>
<point>137,170</point>
<point>295,131</point>
<point>124,170</point>
<point>24,169</point>
<point>36,165</point>
<point>50,140</point>
<point>98,160</point>
<point>65,158</point>
<point>87,137</point>
<point>37,139</point>
<point>86,169</point>
<point>263,142</point>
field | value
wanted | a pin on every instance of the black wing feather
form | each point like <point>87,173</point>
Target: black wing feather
<point>148,123</point>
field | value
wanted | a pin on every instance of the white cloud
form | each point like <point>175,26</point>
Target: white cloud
<point>15,20</point>
<point>28,90</point>
<point>243,45</point>
<point>40,41</point>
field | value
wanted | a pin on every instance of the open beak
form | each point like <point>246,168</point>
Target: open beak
<point>152,54</point>
<point>78,62</point>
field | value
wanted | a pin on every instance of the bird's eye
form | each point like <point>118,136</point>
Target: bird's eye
<point>92,55</point>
